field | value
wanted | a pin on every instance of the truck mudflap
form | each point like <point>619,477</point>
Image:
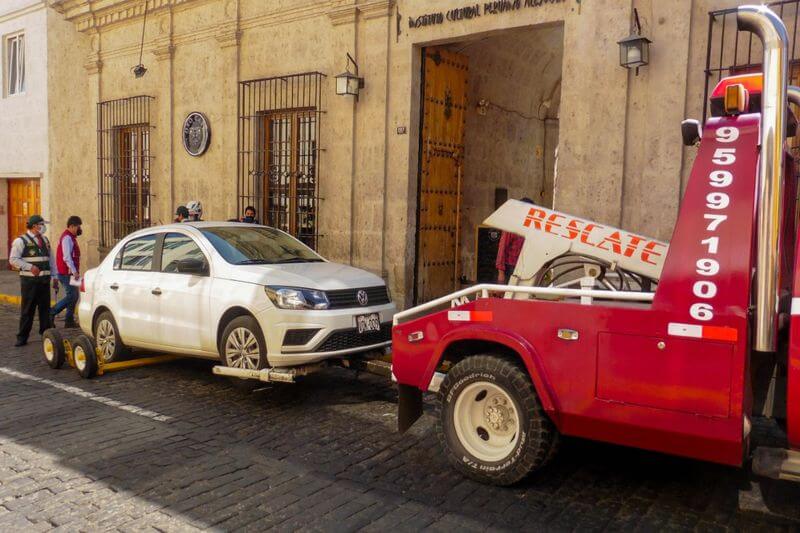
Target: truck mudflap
<point>409,406</point>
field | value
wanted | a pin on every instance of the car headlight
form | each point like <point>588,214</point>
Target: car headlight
<point>294,298</point>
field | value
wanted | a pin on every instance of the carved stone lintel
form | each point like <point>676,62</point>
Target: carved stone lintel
<point>93,65</point>
<point>343,15</point>
<point>376,9</point>
<point>228,34</point>
<point>164,51</point>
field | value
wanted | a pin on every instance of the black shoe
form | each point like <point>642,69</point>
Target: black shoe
<point>21,342</point>
<point>71,324</point>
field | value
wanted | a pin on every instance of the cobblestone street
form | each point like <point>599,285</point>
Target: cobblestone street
<point>174,448</point>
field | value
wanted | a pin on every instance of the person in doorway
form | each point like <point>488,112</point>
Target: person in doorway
<point>68,263</point>
<point>508,250</point>
<point>30,254</point>
<point>181,214</point>
<point>249,215</point>
<point>195,211</point>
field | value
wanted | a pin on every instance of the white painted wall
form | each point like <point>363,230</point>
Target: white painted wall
<point>23,117</point>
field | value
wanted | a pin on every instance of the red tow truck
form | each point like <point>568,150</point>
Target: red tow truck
<point>608,335</point>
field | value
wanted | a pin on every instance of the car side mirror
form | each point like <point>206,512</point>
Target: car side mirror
<point>691,131</point>
<point>197,267</point>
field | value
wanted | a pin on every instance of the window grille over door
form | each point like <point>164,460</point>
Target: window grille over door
<point>732,52</point>
<point>123,166</point>
<point>278,164</point>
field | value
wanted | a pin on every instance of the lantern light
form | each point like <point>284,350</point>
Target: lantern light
<point>349,83</point>
<point>634,50</point>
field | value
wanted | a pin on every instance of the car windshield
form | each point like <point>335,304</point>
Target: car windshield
<point>258,245</point>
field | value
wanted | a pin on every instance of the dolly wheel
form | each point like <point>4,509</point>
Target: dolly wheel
<point>53,345</point>
<point>85,356</point>
<point>491,423</point>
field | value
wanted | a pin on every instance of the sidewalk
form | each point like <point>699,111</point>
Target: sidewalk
<point>9,287</point>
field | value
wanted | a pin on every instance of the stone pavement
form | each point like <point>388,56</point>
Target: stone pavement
<point>173,448</point>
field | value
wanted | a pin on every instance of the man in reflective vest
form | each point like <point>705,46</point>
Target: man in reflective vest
<point>68,263</point>
<point>30,254</point>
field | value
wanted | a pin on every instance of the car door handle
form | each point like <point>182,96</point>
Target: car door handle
<point>156,291</point>
<point>113,286</point>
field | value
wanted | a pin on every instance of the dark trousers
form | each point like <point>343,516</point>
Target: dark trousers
<point>35,295</point>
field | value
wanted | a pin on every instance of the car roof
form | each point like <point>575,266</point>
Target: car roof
<point>186,225</point>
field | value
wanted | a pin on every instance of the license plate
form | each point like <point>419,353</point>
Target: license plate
<point>367,323</point>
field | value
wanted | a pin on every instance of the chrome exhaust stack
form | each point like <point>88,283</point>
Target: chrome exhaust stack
<point>769,28</point>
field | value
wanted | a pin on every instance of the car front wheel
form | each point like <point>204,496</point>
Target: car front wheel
<point>491,423</point>
<point>242,345</point>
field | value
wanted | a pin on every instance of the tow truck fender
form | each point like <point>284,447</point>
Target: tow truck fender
<point>526,352</point>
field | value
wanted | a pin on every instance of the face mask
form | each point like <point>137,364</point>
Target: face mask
<point>42,229</point>
<point>249,220</point>
<point>79,232</point>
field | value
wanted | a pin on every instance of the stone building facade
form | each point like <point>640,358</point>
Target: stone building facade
<point>463,104</point>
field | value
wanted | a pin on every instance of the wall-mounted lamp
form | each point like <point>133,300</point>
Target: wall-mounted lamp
<point>140,70</point>
<point>634,50</point>
<point>348,83</point>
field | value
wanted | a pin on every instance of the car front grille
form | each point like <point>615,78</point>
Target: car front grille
<point>298,337</point>
<point>345,339</point>
<point>344,298</point>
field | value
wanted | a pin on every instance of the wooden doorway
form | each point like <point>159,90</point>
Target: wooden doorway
<point>24,200</point>
<point>444,103</point>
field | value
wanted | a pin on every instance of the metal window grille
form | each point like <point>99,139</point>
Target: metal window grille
<point>123,167</point>
<point>278,163</point>
<point>730,51</point>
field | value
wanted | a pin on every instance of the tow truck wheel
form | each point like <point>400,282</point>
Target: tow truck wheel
<point>84,355</point>
<point>53,346</point>
<point>491,423</point>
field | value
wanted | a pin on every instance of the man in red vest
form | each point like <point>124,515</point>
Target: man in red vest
<point>68,263</point>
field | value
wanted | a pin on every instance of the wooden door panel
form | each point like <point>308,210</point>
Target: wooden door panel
<point>444,107</point>
<point>24,200</point>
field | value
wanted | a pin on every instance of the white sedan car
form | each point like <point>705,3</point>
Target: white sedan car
<point>252,296</point>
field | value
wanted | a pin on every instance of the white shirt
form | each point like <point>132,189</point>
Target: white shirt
<point>16,260</point>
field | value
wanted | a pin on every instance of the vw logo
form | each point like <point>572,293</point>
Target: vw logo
<point>362,298</point>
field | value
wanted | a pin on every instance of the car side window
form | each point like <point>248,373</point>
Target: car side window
<point>176,248</point>
<point>137,254</point>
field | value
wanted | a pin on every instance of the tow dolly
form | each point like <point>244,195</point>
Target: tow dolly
<point>80,353</point>
<point>608,335</point>
<point>78,350</point>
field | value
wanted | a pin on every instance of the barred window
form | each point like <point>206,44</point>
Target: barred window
<point>279,151</point>
<point>123,166</point>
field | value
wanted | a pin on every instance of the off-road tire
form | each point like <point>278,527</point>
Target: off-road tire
<point>538,437</point>
<point>120,350</point>
<point>53,348</point>
<point>85,357</point>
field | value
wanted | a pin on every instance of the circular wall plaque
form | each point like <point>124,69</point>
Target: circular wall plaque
<point>196,133</point>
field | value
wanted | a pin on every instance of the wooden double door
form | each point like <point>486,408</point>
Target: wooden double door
<point>444,104</point>
<point>24,200</point>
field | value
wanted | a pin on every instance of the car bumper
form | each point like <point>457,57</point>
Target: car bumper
<point>335,334</point>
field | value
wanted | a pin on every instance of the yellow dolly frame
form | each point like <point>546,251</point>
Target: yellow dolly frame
<point>81,354</point>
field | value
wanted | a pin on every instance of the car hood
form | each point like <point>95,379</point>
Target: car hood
<point>324,276</point>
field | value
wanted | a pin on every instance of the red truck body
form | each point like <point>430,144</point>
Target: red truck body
<point>672,375</point>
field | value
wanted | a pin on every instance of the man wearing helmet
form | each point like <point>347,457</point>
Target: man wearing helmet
<point>195,210</point>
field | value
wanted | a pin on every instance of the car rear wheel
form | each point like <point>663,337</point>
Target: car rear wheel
<point>106,336</point>
<point>491,423</point>
<point>242,344</point>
